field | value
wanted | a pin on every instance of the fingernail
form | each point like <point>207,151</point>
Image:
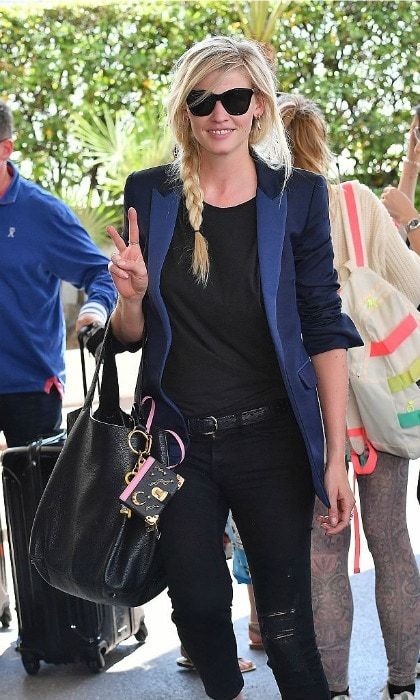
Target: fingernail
<point>333,521</point>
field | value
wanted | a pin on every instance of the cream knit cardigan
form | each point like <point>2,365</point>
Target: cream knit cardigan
<point>387,253</point>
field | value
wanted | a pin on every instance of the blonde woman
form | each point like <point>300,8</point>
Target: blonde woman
<point>226,269</point>
<point>382,493</point>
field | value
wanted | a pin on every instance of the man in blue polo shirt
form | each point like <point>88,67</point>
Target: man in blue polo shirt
<point>42,243</point>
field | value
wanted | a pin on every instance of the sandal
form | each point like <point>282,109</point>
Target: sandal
<point>185,662</point>
<point>254,633</point>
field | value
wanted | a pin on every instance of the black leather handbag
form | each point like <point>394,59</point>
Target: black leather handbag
<point>84,540</point>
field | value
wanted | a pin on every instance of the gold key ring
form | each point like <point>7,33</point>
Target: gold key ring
<point>147,440</point>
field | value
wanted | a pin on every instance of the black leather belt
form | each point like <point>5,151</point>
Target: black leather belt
<point>211,424</point>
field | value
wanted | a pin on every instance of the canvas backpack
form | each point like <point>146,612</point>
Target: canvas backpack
<point>384,402</point>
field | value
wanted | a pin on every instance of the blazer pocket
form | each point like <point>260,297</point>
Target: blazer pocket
<point>307,375</point>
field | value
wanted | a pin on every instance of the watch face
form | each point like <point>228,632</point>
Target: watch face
<point>414,223</point>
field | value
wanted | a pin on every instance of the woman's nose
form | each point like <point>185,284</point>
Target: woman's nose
<point>219,113</point>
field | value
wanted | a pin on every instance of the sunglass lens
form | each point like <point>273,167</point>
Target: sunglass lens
<point>200,107</point>
<point>237,101</point>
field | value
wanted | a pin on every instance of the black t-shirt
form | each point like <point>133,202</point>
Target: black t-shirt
<point>222,357</point>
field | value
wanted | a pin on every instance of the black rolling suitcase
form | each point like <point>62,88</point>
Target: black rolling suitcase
<point>5,615</point>
<point>53,626</point>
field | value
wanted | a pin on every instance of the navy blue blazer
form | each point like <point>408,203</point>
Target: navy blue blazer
<point>298,281</point>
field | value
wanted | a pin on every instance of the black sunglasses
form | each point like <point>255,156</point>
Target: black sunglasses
<point>235,101</point>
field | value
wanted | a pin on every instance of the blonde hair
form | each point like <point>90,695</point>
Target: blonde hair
<point>308,135</point>
<point>307,131</point>
<point>267,133</point>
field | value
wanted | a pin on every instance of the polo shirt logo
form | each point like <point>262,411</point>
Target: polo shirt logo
<point>11,233</point>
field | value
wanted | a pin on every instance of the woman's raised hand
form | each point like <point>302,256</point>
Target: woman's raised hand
<point>127,266</point>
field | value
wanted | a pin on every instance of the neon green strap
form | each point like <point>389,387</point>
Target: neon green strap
<point>402,381</point>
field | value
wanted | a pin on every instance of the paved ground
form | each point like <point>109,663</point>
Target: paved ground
<point>150,672</point>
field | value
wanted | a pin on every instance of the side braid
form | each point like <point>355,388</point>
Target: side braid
<point>189,171</point>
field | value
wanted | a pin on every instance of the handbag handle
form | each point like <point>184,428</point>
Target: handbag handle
<point>109,395</point>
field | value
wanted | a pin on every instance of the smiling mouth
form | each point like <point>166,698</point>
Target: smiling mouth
<point>220,131</point>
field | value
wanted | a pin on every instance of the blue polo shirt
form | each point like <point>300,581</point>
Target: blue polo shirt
<point>42,243</point>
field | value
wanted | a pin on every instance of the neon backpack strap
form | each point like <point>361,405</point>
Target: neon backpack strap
<point>357,251</point>
<point>352,224</point>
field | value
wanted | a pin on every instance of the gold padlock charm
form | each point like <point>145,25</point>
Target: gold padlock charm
<point>151,522</point>
<point>159,494</point>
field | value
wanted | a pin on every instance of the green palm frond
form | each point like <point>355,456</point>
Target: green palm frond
<point>121,145</point>
<point>259,17</point>
<point>105,139</point>
<point>94,219</point>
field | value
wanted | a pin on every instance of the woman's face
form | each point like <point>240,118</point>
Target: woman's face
<point>220,133</point>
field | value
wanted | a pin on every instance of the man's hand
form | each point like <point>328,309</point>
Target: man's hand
<point>88,320</point>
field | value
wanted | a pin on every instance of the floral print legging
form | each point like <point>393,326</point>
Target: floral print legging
<point>397,588</point>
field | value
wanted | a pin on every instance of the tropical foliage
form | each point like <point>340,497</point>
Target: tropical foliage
<point>87,82</point>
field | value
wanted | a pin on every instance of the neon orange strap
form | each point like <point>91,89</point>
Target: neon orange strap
<point>404,329</point>
<point>356,432</point>
<point>356,561</point>
<point>370,463</point>
<point>354,224</point>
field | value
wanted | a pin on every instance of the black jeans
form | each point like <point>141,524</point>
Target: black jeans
<point>25,417</point>
<point>262,473</point>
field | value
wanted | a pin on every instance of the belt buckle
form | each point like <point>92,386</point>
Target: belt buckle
<point>212,432</point>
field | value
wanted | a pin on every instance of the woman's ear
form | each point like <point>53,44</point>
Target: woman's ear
<point>6,149</point>
<point>259,105</point>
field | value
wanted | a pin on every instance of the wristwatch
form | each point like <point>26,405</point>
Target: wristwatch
<point>411,225</point>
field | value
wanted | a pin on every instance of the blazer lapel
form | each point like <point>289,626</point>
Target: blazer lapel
<point>163,213</point>
<point>271,225</point>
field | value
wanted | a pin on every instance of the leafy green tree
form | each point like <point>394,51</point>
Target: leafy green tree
<point>356,58</point>
<point>111,149</point>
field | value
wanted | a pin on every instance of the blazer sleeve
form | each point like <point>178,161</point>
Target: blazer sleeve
<point>324,326</point>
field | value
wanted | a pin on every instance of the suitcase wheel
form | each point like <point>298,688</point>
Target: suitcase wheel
<point>97,663</point>
<point>6,617</point>
<point>142,633</point>
<point>31,664</point>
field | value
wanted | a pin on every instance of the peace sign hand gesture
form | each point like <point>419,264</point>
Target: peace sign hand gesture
<point>127,266</point>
